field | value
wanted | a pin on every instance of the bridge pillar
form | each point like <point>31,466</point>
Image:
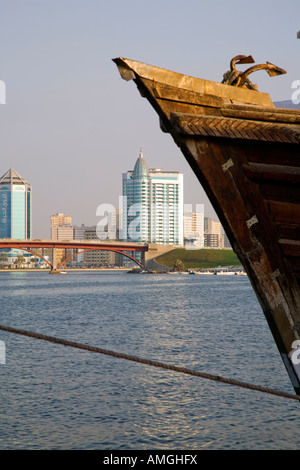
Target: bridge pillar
<point>54,262</point>
<point>143,258</point>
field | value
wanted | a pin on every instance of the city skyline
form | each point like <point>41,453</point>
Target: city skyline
<point>140,186</point>
<point>61,218</point>
<point>153,211</point>
<point>43,233</point>
<point>70,122</point>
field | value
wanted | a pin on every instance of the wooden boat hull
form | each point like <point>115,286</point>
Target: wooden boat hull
<point>245,153</point>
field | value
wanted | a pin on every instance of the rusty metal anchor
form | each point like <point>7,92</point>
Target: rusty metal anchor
<point>240,79</point>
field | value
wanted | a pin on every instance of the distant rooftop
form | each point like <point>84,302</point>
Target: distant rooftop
<point>159,170</point>
<point>12,177</point>
<point>141,168</point>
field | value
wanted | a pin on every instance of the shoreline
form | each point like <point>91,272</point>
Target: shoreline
<point>47,270</point>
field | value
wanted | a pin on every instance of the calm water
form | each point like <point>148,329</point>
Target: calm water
<point>55,397</point>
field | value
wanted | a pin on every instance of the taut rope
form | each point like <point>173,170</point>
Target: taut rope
<point>152,363</point>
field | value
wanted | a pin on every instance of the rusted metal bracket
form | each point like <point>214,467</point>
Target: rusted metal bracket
<point>252,221</point>
<point>227,165</point>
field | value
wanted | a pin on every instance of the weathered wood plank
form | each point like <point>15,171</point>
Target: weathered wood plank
<point>290,247</point>
<point>205,125</point>
<point>275,173</point>
<point>281,193</point>
<point>277,115</point>
<point>283,212</point>
<point>288,231</point>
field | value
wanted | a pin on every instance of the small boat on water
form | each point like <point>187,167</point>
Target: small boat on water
<point>246,155</point>
<point>224,272</point>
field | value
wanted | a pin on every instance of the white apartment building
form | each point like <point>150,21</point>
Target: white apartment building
<point>152,205</point>
<point>194,228</point>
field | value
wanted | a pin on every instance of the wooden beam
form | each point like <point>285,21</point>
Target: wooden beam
<point>276,173</point>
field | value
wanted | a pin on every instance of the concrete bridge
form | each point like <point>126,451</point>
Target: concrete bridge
<point>128,249</point>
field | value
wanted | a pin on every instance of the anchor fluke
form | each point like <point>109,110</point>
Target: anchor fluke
<point>241,59</point>
<point>273,70</point>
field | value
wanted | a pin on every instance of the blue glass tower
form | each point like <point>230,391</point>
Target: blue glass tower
<point>15,206</point>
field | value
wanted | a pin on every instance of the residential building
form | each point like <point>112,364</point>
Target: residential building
<point>61,230</point>
<point>78,234</point>
<point>194,228</point>
<point>152,205</point>
<point>61,219</point>
<point>212,233</point>
<point>97,257</point>
<point>225,241</point>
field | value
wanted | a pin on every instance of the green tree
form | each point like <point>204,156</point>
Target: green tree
<point>20,260</point>
<point>178,265</point>
<point>3,259</point>
<point>34,260</point>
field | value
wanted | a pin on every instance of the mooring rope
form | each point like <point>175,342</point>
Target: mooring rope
<point>152,363</point>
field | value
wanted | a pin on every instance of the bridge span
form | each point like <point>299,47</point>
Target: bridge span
<point>128,249</point>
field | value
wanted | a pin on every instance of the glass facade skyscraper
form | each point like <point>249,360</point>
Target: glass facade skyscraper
<point>152,205</point>
<point>15,206</point>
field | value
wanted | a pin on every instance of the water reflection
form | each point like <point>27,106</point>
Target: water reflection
<point>60,398</point>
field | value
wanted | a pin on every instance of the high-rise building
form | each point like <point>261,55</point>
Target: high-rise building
<point>15,206</point>
<point>194,228</point>
<point>152,205</point>
<point>61,227</point>
<point>225,241</point>
<point>61,219</point>
<point>61,230</point>
<point>78,234</point>
<point>97,257</point>
<point>212,233</point>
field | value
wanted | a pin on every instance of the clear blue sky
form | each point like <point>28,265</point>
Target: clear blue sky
<point>71,125</point>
